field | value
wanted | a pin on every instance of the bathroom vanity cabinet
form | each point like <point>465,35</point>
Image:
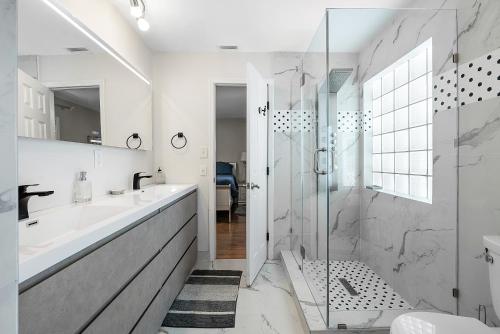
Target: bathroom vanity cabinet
<point>123,284</point>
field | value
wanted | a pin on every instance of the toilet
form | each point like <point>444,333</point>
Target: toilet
<point>438,323</point>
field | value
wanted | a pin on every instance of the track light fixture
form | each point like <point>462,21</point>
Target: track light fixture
<point>138,11</point>
<point>135,8</point>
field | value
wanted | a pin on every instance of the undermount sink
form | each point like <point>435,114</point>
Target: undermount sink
<point>43,230</point>
<point>52,235</point>
<point>153,193</point>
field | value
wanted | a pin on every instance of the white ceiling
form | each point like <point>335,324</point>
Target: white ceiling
<point>85,97</point>
<point>253,25</point>
<point>43,32</point>
<point>231,102</point>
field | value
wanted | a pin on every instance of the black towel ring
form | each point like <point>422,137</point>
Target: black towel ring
<point>134,136</point>
<point>179,135</point>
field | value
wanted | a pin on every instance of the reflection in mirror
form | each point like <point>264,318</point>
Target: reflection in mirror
<point>71,89</point>
<point>78,114</point>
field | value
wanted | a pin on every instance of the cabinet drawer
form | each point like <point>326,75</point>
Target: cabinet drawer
<point>178,214</point>
<point>121,315</point>
<point>156,312</point>
<point>66,300</point>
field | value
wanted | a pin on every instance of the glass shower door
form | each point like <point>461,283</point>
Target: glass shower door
<point>316,160</point>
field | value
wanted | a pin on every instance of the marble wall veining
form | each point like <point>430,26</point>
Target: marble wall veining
<point>284,168</point>
<point>479,158</point>
<point>8,174</point>
<point>412,244</point>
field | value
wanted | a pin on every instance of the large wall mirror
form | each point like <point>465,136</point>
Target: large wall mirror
<point>71,89</point>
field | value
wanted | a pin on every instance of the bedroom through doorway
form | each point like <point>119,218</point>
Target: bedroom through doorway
<point>231,161</point>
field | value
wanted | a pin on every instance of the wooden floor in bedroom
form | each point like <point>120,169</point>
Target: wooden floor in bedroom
<point>231,236</point>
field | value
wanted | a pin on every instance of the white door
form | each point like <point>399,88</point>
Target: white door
<point>34,117</point>
<point>257,113</point>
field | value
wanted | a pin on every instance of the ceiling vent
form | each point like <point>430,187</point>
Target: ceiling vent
<point>81,49</point>
<point>228,47</point>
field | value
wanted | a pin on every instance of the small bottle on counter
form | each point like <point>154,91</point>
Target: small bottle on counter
<point>83,189</point>
<point>160,177</point>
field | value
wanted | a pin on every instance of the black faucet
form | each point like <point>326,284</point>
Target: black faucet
<point>24,197</point>
<point>137,180</point>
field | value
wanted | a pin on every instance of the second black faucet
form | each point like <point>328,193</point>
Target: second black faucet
<point>137,180</point>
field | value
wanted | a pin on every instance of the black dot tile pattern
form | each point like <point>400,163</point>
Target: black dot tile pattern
<point>352,121</point>
<point>373,292</point>
<point>478,80</point>
<point>292,121</point>
<point>296,120</point>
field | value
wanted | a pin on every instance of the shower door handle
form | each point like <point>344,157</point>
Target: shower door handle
<point>316,161</point>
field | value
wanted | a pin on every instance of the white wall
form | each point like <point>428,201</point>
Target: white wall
<point>8,171</point>
<point>181,102</point>
<point>231,142</point>
<point>55,165</point>
<point>105,21</point>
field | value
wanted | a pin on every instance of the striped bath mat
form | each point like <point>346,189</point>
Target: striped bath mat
<point>208,300</point>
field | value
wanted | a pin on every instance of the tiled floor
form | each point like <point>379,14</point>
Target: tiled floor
<point>266,307</point>
<point>373,293</point>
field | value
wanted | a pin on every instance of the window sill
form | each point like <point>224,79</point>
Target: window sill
<point>392,193</point>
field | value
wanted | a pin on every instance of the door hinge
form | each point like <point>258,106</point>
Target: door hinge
<point>267,105</point>
<point>291,230</point>
<point>267,170</point>
<point>267,236</point>
<point>455,292</point>
<point>455,58</point>
<point>302,252</point>
<point>302,79</point>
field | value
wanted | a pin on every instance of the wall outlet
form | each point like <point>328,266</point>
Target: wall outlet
<point>204,152</point>
<point>98,159</point>
<point>203,170</point>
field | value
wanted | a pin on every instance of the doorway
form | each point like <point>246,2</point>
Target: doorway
<point>230,175</point>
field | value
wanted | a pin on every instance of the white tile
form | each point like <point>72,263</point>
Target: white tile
<point>401,119</point>
<point>418,65</point>
<point>388,82</point>
<point>388,102</point>
<point>418,162</point>
<point>401,141</point>
<point>388,122</point>
<point>388,142</point>
<point>388,182</point>
<point>418,89</point>
<point>418,114</point>
<point>418,138</point>
<point>402,163</point>
<point>388,162</point>
<point>401,74</point>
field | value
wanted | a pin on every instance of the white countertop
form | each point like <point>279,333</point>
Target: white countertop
<point>64,231</point>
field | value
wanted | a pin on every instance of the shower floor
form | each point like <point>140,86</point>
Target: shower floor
<point>373,293</point>
<point>358,297</point>
<point>364,301</point>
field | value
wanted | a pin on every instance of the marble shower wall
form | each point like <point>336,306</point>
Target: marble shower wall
<point>344,200</point>
<point>8,175</point>
<point>412,244</point>
<point>286,218</point>
<point>479,155</point>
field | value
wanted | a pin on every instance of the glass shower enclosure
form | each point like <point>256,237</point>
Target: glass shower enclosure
<point>377,234</point>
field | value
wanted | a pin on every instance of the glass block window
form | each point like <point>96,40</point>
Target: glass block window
<point>400,99</point>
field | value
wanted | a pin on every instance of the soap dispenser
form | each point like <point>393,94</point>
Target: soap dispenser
<point>83,189</point>
<point>160,176</point>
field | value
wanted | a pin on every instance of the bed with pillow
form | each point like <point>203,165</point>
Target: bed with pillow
<point>227,186</point>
